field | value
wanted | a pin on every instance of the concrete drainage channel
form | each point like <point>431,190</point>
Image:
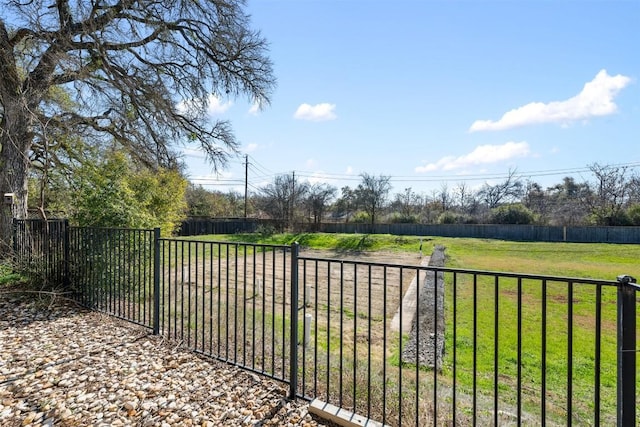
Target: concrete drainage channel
<point>339,416</point>
<point>425,346</point>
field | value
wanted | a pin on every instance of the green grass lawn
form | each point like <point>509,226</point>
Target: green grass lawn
<point>476,338</point>
<point>584,260</point>
<point>576,260</point>
<point>7,275</point>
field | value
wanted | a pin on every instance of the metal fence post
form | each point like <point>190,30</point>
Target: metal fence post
<point>156,281</point>
<point>66,280</point>
<point>14,222</point>
<point>293,333</point>
<point>626,401</point>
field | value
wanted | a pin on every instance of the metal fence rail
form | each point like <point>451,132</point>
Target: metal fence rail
<point>39,248</point>
<point>229,301</point>
<point>515,348</point>
<point>112,271</point>
<point>400,344</point>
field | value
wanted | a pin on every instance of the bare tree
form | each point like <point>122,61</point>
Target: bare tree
<point>137,73</point>
<point>508,190</point>
<point>567,202</point>
<point>461,191</point>
<point>318,198</point>
<point>346,203</point>
<point>634,189</point>
<point>372,194</point>
<point>408,203</point>
<point>609,194</point>
<point>444,197</point>
<point>280,198</point>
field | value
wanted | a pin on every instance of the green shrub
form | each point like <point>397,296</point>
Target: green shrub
<point>117,193</point>
<point>400,218</point>
<point>361,218</point>
<point>450,217</point>
<point>633,214</point>
<point>265,230</point>
<point>512,214</point>
<point>7,275</point>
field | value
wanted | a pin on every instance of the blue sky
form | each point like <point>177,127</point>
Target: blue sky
<point>435,93</point>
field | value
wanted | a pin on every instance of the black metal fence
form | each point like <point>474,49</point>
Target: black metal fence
<point>112,270</point>
<point>508,348</point>
<point>39,249</point>
<point>229,301</point>
<point>400,344</point>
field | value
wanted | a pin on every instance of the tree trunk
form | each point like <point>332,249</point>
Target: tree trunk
<point>15,141</point>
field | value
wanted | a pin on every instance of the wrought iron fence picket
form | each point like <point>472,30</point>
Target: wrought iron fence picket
<point>249,304</point>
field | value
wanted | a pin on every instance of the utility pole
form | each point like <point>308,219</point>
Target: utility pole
<point>246,182</point>
<point>293,197</point>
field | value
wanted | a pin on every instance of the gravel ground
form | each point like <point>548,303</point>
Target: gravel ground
<point>64,366</point>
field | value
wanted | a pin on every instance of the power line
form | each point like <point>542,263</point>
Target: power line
<point>261,167</point>
<point>470,177</point>
<point>254,187</point>
<point>261,173</point>
<point>215,184</point>
<point>215,180</point>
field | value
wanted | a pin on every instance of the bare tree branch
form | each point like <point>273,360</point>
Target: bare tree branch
<point>128,66</point>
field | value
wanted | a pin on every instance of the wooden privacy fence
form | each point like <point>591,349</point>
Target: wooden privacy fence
<point>533,233</point>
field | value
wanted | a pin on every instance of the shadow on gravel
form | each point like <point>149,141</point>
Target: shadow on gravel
<point>20,307</point>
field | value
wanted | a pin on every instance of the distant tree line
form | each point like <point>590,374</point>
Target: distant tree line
<point>609,196</point>
<point>112,189</point>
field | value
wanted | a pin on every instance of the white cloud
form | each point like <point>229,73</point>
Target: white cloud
<point>187,107</point>
<point>349,170</point>
<point>213,106</point>
<point>316,113</point>
<point>320,177</point>
<point>250,148</point>
<point>255,109</point>
<point>595,99</point>
<point>483,154</point>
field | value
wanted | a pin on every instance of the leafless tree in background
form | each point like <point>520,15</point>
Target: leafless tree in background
<point>372,194</point>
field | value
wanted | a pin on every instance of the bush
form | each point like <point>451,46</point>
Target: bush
<point>608,218</point>
<point>117,193</point>
<point>265,230</point>
<point>399,218</point>
<point>361,218</point>
<point>7,275</point>
<point>449,217</point>
<point>633,214</point>
<point>512,214</point>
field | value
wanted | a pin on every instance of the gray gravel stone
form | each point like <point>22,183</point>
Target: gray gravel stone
<point>425,345</point>
<point>64,366</point>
